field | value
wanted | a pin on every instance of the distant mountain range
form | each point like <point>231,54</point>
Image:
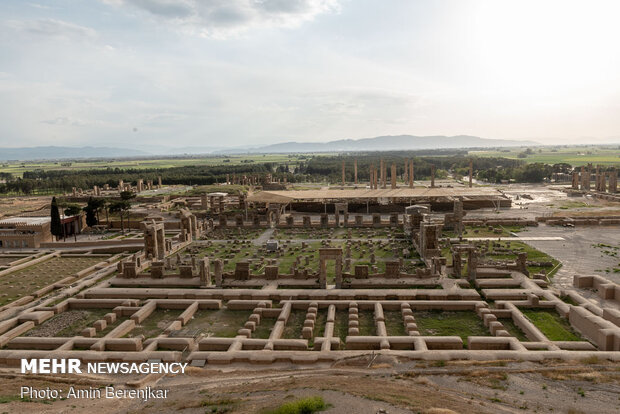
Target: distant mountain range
<point>388,143</point>
<point>385,143</point>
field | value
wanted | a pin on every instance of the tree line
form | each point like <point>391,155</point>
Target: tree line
<point>312,169</point>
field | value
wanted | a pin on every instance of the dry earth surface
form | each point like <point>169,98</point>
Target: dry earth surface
<point>395,386</point>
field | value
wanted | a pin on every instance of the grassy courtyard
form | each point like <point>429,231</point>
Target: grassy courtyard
<point>551,324</point>
<point>458,323</point>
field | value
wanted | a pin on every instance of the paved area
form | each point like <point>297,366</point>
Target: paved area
<point>578,252</point>
<point>262,239</point>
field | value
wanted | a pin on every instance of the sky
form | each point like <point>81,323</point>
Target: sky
<point>240,73</point>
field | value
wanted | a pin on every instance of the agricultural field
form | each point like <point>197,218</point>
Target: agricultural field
<point>573,155</point>
<point>17,168</point>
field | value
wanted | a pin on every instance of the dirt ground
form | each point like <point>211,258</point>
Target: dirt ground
<point>12,206</point>
<point>352,387</point>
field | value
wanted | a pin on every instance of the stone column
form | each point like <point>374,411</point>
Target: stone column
<point>217,272</point>
<point>343,176</point>
<point>456,263</point>
<point>471,172</point>
<point>597,178</point>
<point>393,177</point>
<point>575,182</point>
<point>322,274</point>
<point>613,181</point>
<point>472,264</point>
<point>355,170</point>
<point>432,175</point>
<point>339,272</point>
<point>205,276</point>
<point>161,243</point>
<point>411,174</point>
<point>382,173</point>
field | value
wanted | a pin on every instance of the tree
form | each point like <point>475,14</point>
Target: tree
<point>56,225</point>
<point>127,195</point>
<point>120,207</point>
<point>91,218</point>
<point>97,204</point>
<point>72,210</point>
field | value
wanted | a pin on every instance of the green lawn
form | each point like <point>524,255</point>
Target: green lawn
<point>551,324</point>
<point>459,323</point>
<point>394,323</point>
<point>513,329</point>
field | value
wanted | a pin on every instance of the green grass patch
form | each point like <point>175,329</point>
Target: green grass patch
<point>551,324</point>
<point>294,325</point>
<point>458,323</point>
<point>263,330</point>
<point>513,329</point>
<point>222,323</point>
<point>394,323</point>
<point>366,323</point>
<point>306,405</point>
<point>155,323</point>
<point>341,326</point>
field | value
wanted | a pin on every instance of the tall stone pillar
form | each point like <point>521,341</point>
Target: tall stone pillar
<point>393,176</point>
<point>613,181</point>
<point>575,182</point>
<point>471,172</point>
<point>381,166</point>
<point>205,276</point>
<point>355,170</point>
<point>432,175</point>
<point>339,273</point>
<point>343,176</point>
<point>410,173</point>
<point>217,272</point>
<point>322,274</point>
<point>472,264</point>
<point>587,178</point>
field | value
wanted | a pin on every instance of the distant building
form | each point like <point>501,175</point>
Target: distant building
<point>30,232</point>
<point>21,232</point>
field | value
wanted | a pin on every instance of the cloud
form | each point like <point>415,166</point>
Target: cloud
<point>53,28</point>
<point>222,18</point>
<point>63,120</point>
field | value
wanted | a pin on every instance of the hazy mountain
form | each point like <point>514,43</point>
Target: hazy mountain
<point>49,153</point>
<point>387,143</point>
